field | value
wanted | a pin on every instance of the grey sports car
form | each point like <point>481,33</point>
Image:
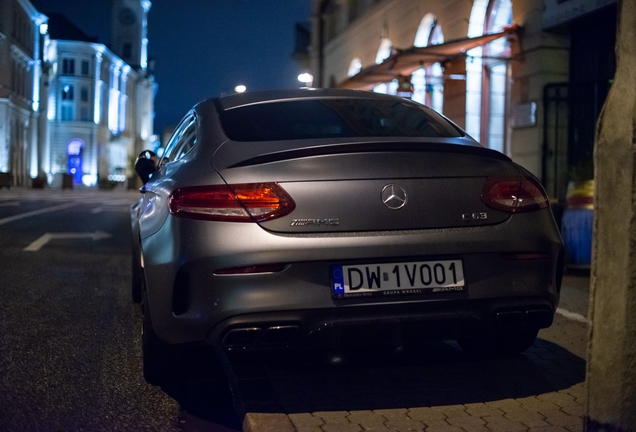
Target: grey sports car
<point>313,218</point>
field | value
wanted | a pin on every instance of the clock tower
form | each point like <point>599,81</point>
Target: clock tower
<point>130,32</point>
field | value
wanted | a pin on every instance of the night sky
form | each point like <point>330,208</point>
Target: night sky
<point>203,48</point>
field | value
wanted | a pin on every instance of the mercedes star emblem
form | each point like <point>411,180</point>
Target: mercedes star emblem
<point>393,196</point>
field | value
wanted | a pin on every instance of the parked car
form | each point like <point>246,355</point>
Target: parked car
<point>311,218</point>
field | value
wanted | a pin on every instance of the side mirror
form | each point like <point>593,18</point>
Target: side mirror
<point>146,165</point>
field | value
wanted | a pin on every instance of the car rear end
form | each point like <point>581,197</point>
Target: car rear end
<point>305,239</point>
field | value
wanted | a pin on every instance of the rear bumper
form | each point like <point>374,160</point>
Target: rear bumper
<point>386,325</point>
<point>190,303</point>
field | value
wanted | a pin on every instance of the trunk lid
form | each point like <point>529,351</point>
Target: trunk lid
<point>371,186</point>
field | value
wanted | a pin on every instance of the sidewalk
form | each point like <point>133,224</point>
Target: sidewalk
<point>434,389</point>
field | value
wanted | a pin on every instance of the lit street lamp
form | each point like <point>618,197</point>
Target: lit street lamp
<point>306,78</point>
<point>240,88</point>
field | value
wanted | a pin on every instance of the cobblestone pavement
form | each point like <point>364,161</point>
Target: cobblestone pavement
<point>433,389</point>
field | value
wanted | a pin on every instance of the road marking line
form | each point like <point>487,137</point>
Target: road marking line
<point>37,245</point>
<point>110,209</point>
<point>571,315</point>
<point>36,212</point>
<point>10,204</point>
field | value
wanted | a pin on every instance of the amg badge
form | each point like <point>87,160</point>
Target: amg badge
<point>314,222</point>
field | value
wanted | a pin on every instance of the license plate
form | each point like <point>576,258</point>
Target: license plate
<point>423,277</point>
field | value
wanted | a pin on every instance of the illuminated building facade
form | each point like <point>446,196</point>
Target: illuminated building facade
<point>524,77</point>
<point>68,104</point>
<point>20,93</point>
<point>100,102</point>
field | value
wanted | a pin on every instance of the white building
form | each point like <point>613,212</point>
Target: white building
<point>20,71</point>
<point>82,109</point>
<point>100,102</point>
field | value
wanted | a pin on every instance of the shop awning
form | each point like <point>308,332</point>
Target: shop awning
<point>405,62</point>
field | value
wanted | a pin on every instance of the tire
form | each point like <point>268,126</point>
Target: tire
<point>137,274</point>
<point>153,351</point>
<point>498,345</point>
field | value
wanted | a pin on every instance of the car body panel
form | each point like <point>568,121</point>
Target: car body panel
<point>512,262</point>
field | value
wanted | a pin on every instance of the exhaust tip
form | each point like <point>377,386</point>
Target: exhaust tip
<point>279,334</point>
<point>242,337</point>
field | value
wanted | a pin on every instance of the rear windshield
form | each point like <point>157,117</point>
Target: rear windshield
<point>333,118</point>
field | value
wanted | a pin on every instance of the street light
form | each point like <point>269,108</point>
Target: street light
<point>240,88</point>
<point>306,78</point>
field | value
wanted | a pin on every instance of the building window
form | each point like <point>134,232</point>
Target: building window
<point>68,66</point>
<point>127,50</point>
<point>354,67</point>
<point>85,67</point>
<point>487,75</point>
<point>84,113</point>
<point>384,52</point>
<point>428,83</point>
<point>84,94</point>
<point>67,92</point>
<point>67,113</point>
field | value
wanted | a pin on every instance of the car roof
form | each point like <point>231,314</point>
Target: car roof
<point>249,98</point>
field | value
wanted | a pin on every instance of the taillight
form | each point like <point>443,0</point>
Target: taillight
<point>514,194</point>
<point>251,202</point>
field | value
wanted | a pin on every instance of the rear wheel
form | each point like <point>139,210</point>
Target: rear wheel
<point>166,364</point>
<point>136,283</point>
<point>155,353</point>
<point>498,345</point>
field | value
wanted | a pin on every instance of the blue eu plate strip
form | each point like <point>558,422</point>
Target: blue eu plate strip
<point>337,279</point>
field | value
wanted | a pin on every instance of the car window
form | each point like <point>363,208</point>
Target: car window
<point>334,118</point>
<point>182,141</point>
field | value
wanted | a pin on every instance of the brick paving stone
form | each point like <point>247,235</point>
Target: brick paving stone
<point>435,423</point>
<point>558,418</point>
<point>560,399</point>
<point>549,429</point>
<point>341,427</point>
<point>377,428</point>
<point>306,420</point>
<point>534,404</point>
<point>481,410</point>
<point>575,410</point>
<point>367,419</point>
<point>577,391</point>
<point>309,429</point>
<point>502,424</point>
<point>451,410</point>
<point>425,414</point>
<point>390,414</point>
<point>527,418</point>
<point>444,429</point>
<point>506,405</point>
<point>469,423</point>
<point>256,422</point>
<point>332,417</point>
<point>404,425</point>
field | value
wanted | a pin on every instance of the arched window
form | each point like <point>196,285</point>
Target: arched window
<point>354,67</point>
<point>487,75</point>
<point>428,83</point>
<point>384,52</point>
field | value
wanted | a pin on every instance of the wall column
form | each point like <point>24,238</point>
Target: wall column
<point>611,367</point>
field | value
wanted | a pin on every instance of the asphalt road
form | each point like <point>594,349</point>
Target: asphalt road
<point>70,357</point>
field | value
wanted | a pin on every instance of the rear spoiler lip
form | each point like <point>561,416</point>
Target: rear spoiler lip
<point>368,147</point>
